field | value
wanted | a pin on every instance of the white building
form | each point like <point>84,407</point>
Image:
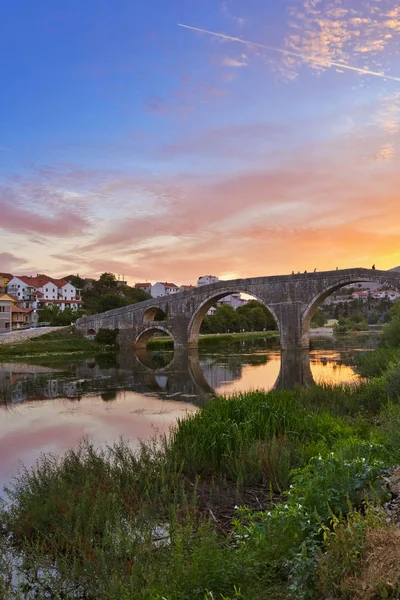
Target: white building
<point>145,287</point>
<point>207,280</point>
<point>160,289</point>
<point>233,300</point>
<point>37,292</point>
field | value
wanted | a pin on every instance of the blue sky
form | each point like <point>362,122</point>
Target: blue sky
<point>133,145</point>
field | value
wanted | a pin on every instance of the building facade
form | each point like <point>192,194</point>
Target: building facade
<point>42,290</point>
<point>5,315</point>
<point>160,289</point>
<point>145,287</point>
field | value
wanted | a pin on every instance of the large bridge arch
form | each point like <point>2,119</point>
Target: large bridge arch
<point>193,331</point>
<point>330,289</point>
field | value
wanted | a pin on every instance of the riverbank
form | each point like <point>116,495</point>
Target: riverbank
<point>63,342</point>
<point>217,338</point>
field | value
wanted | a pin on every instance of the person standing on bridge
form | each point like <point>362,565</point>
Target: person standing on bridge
<point>373,267</point>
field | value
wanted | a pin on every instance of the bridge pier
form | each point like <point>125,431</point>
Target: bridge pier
<point>290,323</point>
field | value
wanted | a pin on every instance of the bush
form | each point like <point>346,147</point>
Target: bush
<point>375,363</point>
<point>107,337</point>
<point>391,333</point>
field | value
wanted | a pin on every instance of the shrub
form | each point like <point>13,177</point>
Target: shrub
<point>107,337</point>
<point>391,333</point>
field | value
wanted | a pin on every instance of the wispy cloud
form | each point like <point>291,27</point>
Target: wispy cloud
<point>234,62</point>
<point>310,58</point>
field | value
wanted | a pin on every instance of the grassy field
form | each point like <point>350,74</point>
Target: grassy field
<point>66,342</point>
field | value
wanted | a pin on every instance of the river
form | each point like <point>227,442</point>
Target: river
<point>52,408</point>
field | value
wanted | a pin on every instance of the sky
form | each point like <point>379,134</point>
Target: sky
<point>134,145</point>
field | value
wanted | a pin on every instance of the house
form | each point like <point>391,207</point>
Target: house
<point>37,292</point>
<point>4,279</point>
<point>5,314</point>
<point>207,280</point>
<point>21,317</point>
<point>145,287</point>
<point>186,288</point>
<point>360,295</point>
<point>163,289</point>
<point>14,301</point>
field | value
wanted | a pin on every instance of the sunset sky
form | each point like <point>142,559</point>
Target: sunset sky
<point>132,145</point>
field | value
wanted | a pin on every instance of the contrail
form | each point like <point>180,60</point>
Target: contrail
<point>327,63</point>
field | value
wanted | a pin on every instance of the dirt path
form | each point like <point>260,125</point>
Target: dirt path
<point>13,337</point>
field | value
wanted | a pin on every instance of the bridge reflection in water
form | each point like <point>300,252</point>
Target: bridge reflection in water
<point>185,375</point>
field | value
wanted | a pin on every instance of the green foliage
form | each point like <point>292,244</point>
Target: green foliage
<point>391,333</point>
<point>57,317</point>
<point>354,322</point>
<point>110,301</point>
<point>107,280</point>
<point>105,294</point>
<point>318,319</point>
<point>344,544</point>
<point>374,364</point>
<point>395,310</point>
<point>254,437</point>
<point>107,337</point>
<point>253,316</point>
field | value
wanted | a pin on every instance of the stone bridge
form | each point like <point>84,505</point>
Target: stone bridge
<point>292,300</point>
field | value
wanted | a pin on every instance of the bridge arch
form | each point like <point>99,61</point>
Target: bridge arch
<point>91,332</point>
<point>327,291</point>
<point>143,337</point>
<point>196,320</point>
<point>154,313</point>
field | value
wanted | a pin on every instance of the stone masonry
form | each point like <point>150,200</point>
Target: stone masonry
<point>292,300</point>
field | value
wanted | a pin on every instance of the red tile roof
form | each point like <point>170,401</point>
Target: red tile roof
<point>16,309</point>
<point>6,275</point>
<point>41,280</point>
<point>139,285</point>
<point>166,284</point>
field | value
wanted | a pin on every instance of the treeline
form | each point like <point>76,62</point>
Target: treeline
<point>252,316</point>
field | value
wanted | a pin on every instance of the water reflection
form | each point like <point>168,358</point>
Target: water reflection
<point>50,409</point>
<point>184,376</point>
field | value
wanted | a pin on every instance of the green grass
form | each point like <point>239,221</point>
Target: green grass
<point>215,339</point>
<point>67,342</point>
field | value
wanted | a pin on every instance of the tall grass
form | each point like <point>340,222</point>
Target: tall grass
<point>259,437</point>
<point>374,364</point>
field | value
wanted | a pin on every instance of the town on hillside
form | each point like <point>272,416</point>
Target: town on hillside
<point>29,301</point>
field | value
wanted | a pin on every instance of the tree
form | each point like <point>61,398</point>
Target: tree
<point>107,280</point>
<point>391,333</point>
<point>110,301</point>
<point>57,317</point>
<point>395,310</point>
<point>318,319</point>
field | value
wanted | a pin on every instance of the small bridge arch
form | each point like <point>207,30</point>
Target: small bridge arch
<point>144,336</point>
<point>154,313</point>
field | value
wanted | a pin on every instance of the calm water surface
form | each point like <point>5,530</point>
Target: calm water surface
<point>50,409</point>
